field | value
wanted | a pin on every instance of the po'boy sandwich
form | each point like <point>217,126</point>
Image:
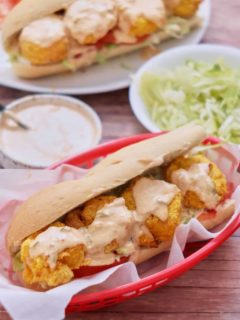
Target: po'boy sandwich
<point>50,37</point>
<point>126,208</point>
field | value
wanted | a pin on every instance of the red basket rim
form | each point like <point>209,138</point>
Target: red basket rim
<point>171,272</point>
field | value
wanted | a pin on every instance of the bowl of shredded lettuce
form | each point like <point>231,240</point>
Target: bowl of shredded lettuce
<point>192,83</point>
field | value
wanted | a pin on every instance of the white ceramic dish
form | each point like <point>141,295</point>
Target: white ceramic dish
<point>60,127</point>
<point>171,59</point>
<point>98,78</point>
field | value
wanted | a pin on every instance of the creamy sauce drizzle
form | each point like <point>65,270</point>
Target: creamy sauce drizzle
<point>56,131</point>
<point>90,18</point>
<point>131,10</point>
<point>151,197</point>
<point>113,221</point>
<point>44,32</point>
<point>196,179</point>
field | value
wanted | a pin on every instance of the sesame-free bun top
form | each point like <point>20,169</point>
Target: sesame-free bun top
<point>53,202</point>
<point>25,12</point>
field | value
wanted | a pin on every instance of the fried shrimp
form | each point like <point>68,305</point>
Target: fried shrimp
<point>159,230</point>
<point>199,179</point>
<point>138,19</point>
<point>183,8</point>
<point>89,21</point>
<point>44,41</point>
<point>38,271</point>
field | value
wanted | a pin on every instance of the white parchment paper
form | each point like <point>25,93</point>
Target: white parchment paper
<point>18,185</point>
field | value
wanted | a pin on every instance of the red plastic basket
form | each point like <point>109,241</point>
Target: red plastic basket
<point>194,252</point>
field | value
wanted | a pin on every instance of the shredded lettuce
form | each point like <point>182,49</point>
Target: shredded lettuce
<point>206,93</point>
<point>17,263</point>
<point>69,65</point>
<point>100,58</point>
<point>14,57</point>
<point>177,27</point>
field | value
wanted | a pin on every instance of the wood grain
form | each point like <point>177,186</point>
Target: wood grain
<point>212,289</point>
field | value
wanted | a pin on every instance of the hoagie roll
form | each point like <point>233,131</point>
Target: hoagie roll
<point>126,208</point>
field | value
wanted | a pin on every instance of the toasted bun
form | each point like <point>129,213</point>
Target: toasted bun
<point>52,203</point>
<point>29,10</point>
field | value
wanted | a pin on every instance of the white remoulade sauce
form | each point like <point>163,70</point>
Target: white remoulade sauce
<point>57,130</point>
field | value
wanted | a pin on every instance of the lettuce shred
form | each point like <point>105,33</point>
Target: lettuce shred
<point>207,93</point>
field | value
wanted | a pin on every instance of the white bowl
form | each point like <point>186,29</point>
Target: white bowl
<point>171,59</point>
<point>89,120</point>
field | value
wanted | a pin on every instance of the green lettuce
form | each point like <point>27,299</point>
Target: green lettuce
<point>207,93</point>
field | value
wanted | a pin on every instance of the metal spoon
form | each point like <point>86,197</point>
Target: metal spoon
<point>13,117</point>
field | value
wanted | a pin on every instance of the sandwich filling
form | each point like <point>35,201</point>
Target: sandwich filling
<point>136,216</point>
<point>87,26</point>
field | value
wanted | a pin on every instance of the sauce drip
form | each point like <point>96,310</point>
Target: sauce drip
<point>113,222</point>
<point>44,32</point>
<point>90,19</point>
<point>131,10</point>
<point>197,179</point>
<point>151,197</point>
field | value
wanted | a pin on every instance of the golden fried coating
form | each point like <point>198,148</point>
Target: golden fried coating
<point>147,241</point>
<point>73,257</point>
<point>37,270</point>
<point>142,27</point>
<point>164,230</point>
<point>113,246</point>
<point>183,8</point>
<point>91,207</point>
<point>191,199</point>
<point>73,219</point>
<point>40,55</point>
<point>128,195</point>
<point>160,230</point>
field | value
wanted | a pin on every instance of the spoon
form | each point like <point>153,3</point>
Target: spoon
<point>13,117</point>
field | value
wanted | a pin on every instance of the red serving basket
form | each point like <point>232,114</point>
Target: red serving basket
<point>194,252</point>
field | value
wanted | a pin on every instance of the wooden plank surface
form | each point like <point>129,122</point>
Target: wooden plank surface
<point>212,289</point>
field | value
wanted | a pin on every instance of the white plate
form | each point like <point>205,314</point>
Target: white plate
<point>171,59</point>
<point>98,78</point>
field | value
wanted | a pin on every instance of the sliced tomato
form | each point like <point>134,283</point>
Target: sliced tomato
<point>5,7</point>
<point>207,214</point>
<point>230,189</point>
<point>14,2</point>
<point>109,39</point>
<point>89,270</point>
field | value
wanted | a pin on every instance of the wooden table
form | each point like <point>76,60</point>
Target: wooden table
<point>212,289</point>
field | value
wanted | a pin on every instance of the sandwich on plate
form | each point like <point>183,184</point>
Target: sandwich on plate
<point>50,37</point>
<point>126,208</point>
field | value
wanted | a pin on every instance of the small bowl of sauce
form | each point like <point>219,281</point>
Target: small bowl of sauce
<point>60,127</point>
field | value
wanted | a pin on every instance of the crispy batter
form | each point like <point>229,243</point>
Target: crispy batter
<point>164,230</point>
<point>160,230</point>
<point>44,55</point>
<point>142,27</point>
<point>91,207</point>
<point>191,199</point>
<point>73,257</point>
<point>184,8</point>
<point>73,219</point>
<point>128,195</point>
<point>113,246</point>
<point>37,270</point>
<point>147,241</point>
